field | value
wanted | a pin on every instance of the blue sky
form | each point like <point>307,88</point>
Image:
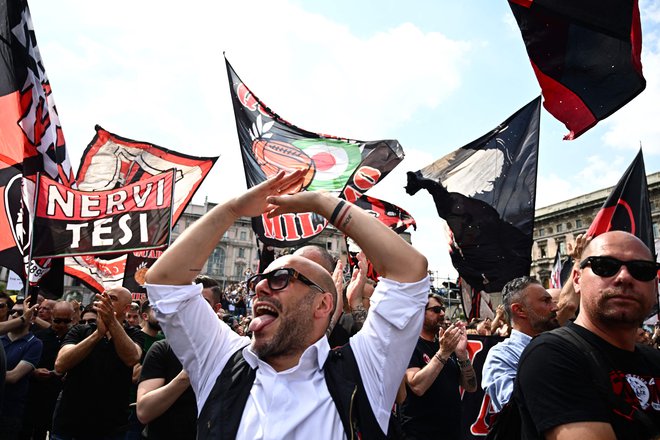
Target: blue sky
<point>432,74</point>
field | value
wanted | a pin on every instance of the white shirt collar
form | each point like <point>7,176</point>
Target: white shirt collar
<point>313,357</point>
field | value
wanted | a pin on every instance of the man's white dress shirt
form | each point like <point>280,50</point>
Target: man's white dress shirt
<point>295,403</point>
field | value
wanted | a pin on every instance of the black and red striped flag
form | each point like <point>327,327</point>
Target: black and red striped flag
<point>585,54</point>
<point>31,138</point>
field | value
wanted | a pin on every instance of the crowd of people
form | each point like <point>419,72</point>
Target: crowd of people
<point>298,351</point>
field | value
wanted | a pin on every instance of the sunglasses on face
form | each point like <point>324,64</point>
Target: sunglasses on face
<point>436,309</point>
<point>3,305</point>
<point>17,312</point>
<point>641,270</point>
<point>87,321</point>
<point>61,321</point>
<point>278,279</point>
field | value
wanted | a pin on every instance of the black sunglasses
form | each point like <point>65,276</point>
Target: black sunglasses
<point>436,309</point>
<point>278,279</point>
<point>3,305</point>
<point>61,321</point>
<point>17,312</point>
<point>87,321</point>
<point>641,270</point>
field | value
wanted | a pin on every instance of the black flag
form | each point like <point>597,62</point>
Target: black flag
<point>627,208</point>
<point>486,192</point>
<point>585,55</point>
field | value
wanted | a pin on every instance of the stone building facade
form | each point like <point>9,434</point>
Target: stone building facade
<point>559,224</point>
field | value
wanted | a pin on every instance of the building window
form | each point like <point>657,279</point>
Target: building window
<point>562,248</point>
<point>216,264</point>
<point>569,226</point>
<point>542,251</point>
<point>243,235</point>
<point>656,233</point>
<point>578,223</point>
<point>328,245</point>
<point>239,268</point>
<point>241,252</point>
<point>541,232</point>
<point>560,228</point>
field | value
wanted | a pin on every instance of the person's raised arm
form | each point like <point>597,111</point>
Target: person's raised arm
<point>127,350</point>
<point>183,261</point>
<point>568,299</point>
<point>390,255</point>
<point>71,355</point>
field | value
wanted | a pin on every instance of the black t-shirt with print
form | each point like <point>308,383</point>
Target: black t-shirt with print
<point>436,413</point>
<point>555,385</point>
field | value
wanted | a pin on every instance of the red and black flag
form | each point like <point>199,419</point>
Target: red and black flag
<point>486,192</point>
<point>585,55</point>
<point>270,144</point>
<point>31,138</point>
<point>627,208</point>
<point>395,218</point>
<point>72,222</point>
<point>110,162</point>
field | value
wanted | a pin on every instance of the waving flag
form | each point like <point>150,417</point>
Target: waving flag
<point>390,215</point>
<point>555,274</point>
<point>486,192</point>
<point>585,55</point>
<point>111,162</point>
<point>627,208</point>
<point>72,222</point>
<point>270,144</point>
<point>31,138</point>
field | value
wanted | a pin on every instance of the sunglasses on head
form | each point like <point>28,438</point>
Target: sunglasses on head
<point>87,321</point>
<point>641,270</point>
<point>61,321</point>
<point>436,309</point>
<point>278,279</point>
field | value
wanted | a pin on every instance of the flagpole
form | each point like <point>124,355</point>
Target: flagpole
<point>169,236</point>
<point>31,221</point>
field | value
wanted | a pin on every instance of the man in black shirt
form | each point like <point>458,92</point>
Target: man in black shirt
<point>556,391</point>
<point>432,408</point>
<point>166,402</point>
<point>45,385</point>
<point>98,362</point>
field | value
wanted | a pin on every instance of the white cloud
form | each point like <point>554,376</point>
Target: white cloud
<point>638,120</point>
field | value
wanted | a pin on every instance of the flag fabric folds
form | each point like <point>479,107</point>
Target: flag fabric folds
<point>486,191</point>
<point>270,144</point>
<point>627,208</point>
<point>110,162</point>
<point>387,213</point>
<point>555,274</point>
<point>31,138</point>
<point>585,54</point>
<point>72,222</point>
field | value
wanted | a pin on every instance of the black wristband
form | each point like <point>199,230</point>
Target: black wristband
<point>336,212</point>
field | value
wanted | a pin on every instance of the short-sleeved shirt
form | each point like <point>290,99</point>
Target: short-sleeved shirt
<point>437,412</point>
<point>25,349</point>
<point>180,419</point>
<point>95,394</point>
<point>555,385</point>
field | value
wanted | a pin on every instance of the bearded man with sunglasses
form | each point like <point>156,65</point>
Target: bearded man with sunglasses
<point>560,393</point>
<point>290,391</point>
<point>439,364</point>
